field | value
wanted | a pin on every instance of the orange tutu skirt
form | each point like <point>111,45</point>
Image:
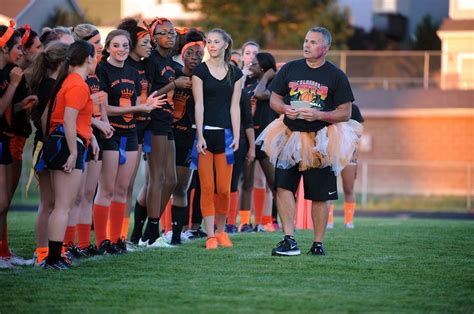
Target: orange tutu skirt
<point>333,145</point>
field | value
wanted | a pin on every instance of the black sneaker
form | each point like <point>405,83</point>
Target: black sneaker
<point>120,246</point>
<point>61,264</point>
<point>287,247</point>
<point>230,228</point>
<point>317,249</point>
<point>106,248</point>
<point>72,252</point>
<point>89,251</point>
<point>246,228</point>
<point>199,233</point>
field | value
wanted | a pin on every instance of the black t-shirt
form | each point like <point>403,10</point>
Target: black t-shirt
<point>160,71</point>
<point>45,90</point>
<point>356,114</point>
<point>4,81</point>
<point>122,86</point>
<point>145,87</point>
<point>247,107</point>
<point>326,87</point>
<point>94,86</point>
<point>183,116</point>
<point>217,96</point>
<point>263,114</point>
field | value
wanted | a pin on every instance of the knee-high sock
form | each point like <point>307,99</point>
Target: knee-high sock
<point>116,213</point>
<point>101,216</point>
<point>234,203</point>
<point>83,235</point>
<point>139,219</point>
<point>331,214</point>
<point>349,209</point>
<point>70,236</point>
<point>4,248</point>
<point>258,204</point>
<point>178,216</point>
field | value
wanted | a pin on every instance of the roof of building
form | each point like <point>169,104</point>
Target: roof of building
<point>457,25</point>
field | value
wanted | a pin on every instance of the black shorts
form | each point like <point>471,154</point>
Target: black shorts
<point>142,125</point>
<point>184,142</point>
<point>215,140</point>
<point>161,123</point>
<point>128,139</point>
<point>320,184</point>
<point>5,154</point>
<point>56,152</point>
<point>239,160</point>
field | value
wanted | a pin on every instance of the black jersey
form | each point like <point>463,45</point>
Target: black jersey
<point>144,87</point>
<point>247,107</point>
<point>263,115</point>
<point>356,114</point>
<point>183,116</point>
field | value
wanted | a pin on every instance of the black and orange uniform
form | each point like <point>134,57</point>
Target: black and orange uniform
<point>183,121</point>
<point>217,124</point>
<point>142,118</point>
<point>263,115</point>
<point>160,71</point>
<point>94,86</point>
<point>74,93</point>
<point>122,86</point>
<point>5,136</point>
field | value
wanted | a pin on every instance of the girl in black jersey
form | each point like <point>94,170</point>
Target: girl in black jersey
<point>160,70</point>
<point>140,49</point>
<point>10,79</point>
<point>46,69</point>
<point>80,219</point>
<point>217,86</point>
<point>122,84</point>
<point>183,120</point>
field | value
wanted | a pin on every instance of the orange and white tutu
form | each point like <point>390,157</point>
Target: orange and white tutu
<point>333,145</point>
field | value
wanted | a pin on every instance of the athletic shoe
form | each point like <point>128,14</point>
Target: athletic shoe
<point>349,225</point>
<point>5,263</point>
<point>287,247</point>
<point>187,236</point>
<point>199,233</point>
<point>223,239</point>
<point>89,251</point>
<point>61,264</point>
<point>230,228</point>
<point>120,246</point>
<point>211,243</point>
<point>159,243</point>
<point>317,249</point>
<point>330,226</point>
<point>142,243</point>
<point>20,261</point>
<point>168,236</point>
<point>131,247</point>
<point>107,248</point>
<point>259,228</point>
<point>269,227</point>
<point>73,252</point>
<point>246,228</point>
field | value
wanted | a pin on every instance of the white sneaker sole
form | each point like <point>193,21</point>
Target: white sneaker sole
<point>289,253</point>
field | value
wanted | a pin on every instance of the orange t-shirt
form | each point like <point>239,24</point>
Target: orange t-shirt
<point>74,93</point>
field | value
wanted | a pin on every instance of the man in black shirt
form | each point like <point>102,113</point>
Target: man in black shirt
<point>298,143</point>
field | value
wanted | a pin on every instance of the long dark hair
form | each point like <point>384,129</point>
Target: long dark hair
<point>112,35</point>
<point>77,55</point>
<point>266,61</point>
<point>228,52</point>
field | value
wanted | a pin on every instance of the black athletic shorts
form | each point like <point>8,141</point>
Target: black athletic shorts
<point>184,142</point>
<point>161,127</point>
<point>5,154</point>
<point>56,152</point>
<point>127,139</point>
<point>142,126</point>
<point>215,140</point>
<point>320,184</point>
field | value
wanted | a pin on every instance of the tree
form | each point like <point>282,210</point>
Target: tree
<point>273,23</point>
<point>425,35</point>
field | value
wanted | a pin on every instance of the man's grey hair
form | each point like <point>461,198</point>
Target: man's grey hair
<point>326,34</point>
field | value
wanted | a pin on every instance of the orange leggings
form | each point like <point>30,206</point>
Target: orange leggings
<point>206,165</point>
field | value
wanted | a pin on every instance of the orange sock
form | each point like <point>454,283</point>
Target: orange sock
<point>331,214</point>
<point>267,220</point>
<point>258,203</point>
<point>70,236</point>
<point>349,209</point>
<point>101,215</point>
<point>234,203</point>
<point>83,235</point>
<point>244,217</point>
<point>116,213</point>
<point>41,254</point>
<point>4,248</point>
<point>125,223</point>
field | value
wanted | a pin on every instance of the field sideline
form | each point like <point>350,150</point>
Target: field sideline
<point>384,265</point>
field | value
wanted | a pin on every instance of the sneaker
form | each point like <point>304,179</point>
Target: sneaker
<point>159,243</point>
<point>89,251</point>
<point>287,247</point>
<point>349,225</point>
<point>199,233</point>
<point>5,263</point>
<point>107,248</point>
<point>168,236</point>
<point>246,228</point>
<point>20,261</point>
<point>211,243</point>
<point>187,236</point>
<point>269,227</point>
<point>223,239</point>
<point>230,228</point>
<point>317,249</point>
<point>120,246</point>
<point>330,226</point>
<point>130,246</point>
<point>259,228</point>
<point>61,264</point>
<point>73,252</point>
<point>142,243</point>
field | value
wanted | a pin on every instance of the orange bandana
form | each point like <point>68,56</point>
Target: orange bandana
<point>8,34</point>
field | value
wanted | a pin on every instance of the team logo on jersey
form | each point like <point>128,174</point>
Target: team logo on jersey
<point>179,100</point>
<point>125,101</point>
<point>307,90</point>
<point>144,91</point>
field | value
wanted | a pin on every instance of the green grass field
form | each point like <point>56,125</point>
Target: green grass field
<point>384,265</point>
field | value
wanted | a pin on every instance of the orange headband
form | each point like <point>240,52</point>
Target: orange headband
<point>8,34</point>
<point>142,34</point>
<point>26,35</point>
<point>189,45</point>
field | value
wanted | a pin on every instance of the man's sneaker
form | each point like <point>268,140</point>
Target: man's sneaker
<point>61,264</point>
<point>89,251</point>
<point>106,248</point>
<point>5,263</point>
<point>349,225</point>
<point>230,228</point>
<point>330,226</point>
<point>245,228</point>
<point>211,243</point>
<point>317,249</point>
<point>159,243</point>
<point>287,247</point>
<point>142,243</point>
<point>259,228</point>
<point>223,239</point>
<point>199,233</point>
<point>20,261</point>
<point>187,236</point>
